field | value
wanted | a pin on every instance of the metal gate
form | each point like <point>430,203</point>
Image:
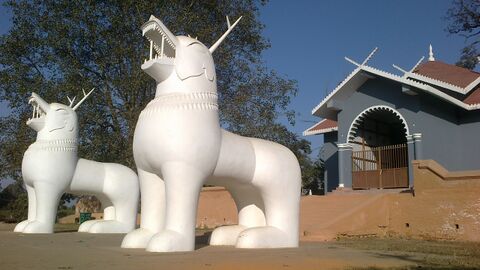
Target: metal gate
<point>380,167</point>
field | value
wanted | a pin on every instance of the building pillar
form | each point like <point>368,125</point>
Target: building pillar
<point>411,157</point>
<point>345,165</point>
<point>417,137</point>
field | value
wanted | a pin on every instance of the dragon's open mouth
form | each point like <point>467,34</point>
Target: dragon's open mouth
<point>163,46</point>
<point>162,41</point>
<point>40,109</point>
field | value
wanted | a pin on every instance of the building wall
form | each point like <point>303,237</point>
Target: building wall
<point>329,154</point>
<point>469,139</point>
<point>445,206</point>
<point>448,132</point>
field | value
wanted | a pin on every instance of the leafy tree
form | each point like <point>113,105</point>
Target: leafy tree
<point>464,19</point>
<point>313,176</point>
<point>469,57</point>
<point>56,48</point>
<point>9,194</point>
<point>14,199</point>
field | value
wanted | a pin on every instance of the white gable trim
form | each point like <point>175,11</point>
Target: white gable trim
<point>308,132</point>
<point>320,131</point>
<point>472,85</point>
<point>436,82</point>
<point>424,87</point>
<point>403,80</point>
<point>329,96</point>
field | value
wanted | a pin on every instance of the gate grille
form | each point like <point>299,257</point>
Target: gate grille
<point>380,167</point>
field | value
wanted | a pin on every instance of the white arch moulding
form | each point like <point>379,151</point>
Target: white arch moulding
<point>358,119</point>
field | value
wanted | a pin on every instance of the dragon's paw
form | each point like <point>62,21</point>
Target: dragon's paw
<point>226,235</point>
<point>108,226</point>
<point>138,238</point>
<point>85,226</point>
<point>21,226</point>
<point>38,227</point>
<point>265,237</point>
<point>170,241</point>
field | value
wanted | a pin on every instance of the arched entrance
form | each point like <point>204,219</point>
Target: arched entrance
<point>378,137</point>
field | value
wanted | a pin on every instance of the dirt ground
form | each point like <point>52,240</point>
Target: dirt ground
<point>70,250</point>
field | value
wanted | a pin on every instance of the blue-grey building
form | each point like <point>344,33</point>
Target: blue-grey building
<point>375,123</point>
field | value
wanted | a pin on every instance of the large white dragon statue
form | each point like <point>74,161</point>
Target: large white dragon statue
<point>51,167</point>
<point>179,146</point>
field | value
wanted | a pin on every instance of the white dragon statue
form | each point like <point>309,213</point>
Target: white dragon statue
<point>179,146</point>
<point>51,167</point>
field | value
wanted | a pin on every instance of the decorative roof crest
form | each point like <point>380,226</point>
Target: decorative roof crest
<point>406,73</point>
<point>364,61</point>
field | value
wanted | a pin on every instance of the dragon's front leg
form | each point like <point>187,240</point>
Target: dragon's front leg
<point>47,197</point>
<point>153,210</point>
<point>31,210</point>
<point>182,189</point>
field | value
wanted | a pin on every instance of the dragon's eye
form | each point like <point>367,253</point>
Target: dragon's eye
<point>61,110</point>
<point>197,47</point>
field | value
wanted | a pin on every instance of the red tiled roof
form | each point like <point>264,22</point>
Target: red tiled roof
<point>473,97</point>
<point>324,126</point>
<point>451,74</point>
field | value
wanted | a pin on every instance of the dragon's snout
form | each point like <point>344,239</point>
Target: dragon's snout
<point>40,108</point>
<point>163,46</point>
<point>162,42</point>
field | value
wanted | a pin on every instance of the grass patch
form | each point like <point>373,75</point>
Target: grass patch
<point>428,254</point>
<point>66,227</point>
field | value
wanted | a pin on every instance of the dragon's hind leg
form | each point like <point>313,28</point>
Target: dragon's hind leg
<point>278,178</point>
<point>282,216</point>
<point>108,214</point>
<point>120,199</point>
<point>250,214</point>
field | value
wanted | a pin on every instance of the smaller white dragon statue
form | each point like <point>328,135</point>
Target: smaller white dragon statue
<point>51,167</point>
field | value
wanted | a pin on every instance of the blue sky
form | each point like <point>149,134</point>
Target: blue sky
<point>310,38</point>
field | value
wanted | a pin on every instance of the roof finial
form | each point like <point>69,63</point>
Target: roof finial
<point>430,54</point>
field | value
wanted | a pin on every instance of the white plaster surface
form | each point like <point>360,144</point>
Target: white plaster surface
<point>179,146</point>
<point>51,167</point>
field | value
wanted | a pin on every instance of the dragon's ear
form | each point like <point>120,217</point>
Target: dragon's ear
<point>192,61</point>
<point>209,68</point>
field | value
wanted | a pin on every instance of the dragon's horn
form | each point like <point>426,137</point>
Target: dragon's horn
<point>85,96</point>
<point>230,28</point>
<point>71,100</point>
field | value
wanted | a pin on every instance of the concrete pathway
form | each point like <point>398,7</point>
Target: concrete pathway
<point>71,250</point>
